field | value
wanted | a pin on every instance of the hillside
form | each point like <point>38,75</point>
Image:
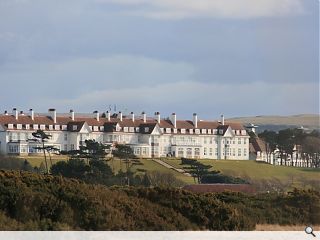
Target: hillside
<point>310,121</point>
<point>31,201</point>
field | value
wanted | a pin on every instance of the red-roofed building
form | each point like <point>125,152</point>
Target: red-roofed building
<point>148,137</point>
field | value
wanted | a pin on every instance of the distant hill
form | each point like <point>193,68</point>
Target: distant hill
<point>308,121</point>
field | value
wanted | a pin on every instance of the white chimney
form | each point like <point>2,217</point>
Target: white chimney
<point>174,120</point>
<point>108,116</point>
<point>195,120</point>
<point>120,116</point>
<point>222,119</point>
<point>53,114</point>
<point>6,112</point>
<point>144,116</point>
<point>15,113</point>
<point>72,114</point>
<point>21,113</point>
<point>132,116</point>
<point>97,116</point>
<point>158,117</point>
<point>31,112</point>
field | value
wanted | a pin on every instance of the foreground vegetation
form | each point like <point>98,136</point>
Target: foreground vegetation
<point>30,201</point>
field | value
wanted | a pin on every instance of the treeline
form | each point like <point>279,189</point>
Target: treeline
<point>292,145</point>
<point>31,201</point>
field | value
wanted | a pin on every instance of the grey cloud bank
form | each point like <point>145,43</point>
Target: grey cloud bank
<point>258,57</point>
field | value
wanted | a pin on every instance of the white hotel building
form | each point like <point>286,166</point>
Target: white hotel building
<point>148,137</point>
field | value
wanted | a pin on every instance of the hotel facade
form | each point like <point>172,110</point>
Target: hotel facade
<point>147,136</point>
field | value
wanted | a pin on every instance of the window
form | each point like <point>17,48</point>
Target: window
<point>168,130</point>
<point>137,151</point>
<point>203,131</point>
<point>72,146</point>
<point>42,127</point>
<point>197,131</point>
<point>101,128</point>
<point>233,152</point>
<point>35,126</point>
<point>244,152</point>
<point>239,140</point>
<point>244,141</point>
<point>13,148</point>
<point>19,126</point>
<point>183,131</point>
<point>65,147</point>
<point>180,152</point>
<point>216,153</point>
<point>191,131</point>
<point>205,141</point>
<point>205,151</point>
<point>197,152</point>
<point>50,127</point>
<point>64,127</point>
<point>57,127</point>
<point>66,137</point>
<point>10,126</point>
<point>95,128</point>
<point>239,151</point>
<point>209,131</point>
<point>189,152</point>
<point>74,127</point>
<point>220,131</point>
<point>137,129</point>
<point>27,126</point>
<point>146,129</point>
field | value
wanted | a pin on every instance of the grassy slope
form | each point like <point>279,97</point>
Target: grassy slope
<point>257,171</point>
<point>247,169</point>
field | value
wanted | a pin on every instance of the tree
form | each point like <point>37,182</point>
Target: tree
<point>270,137</point>
<point>197,170</point>
<point>124,152</point>
<point>42,137</point>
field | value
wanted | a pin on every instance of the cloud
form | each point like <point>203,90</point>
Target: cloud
<point>180,9</point>
<point>207,99</point>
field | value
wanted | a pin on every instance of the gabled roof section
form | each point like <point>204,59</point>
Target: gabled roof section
<point>75,126</point>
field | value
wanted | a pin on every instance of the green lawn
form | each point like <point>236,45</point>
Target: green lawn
<point>37,160</point>
<point>256,171</point>
<point>149,165</point>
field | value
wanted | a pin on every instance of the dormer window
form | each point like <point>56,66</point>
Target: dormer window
<point>174,130</point>
<point>220,131</point>
<point>19,126</point>
<point>42,127</point>
<point>57,127</point>
<point>203,131</point>
<point>131,129</point>
<point>146,129</point>
<point>74,127</point>
<point>50,127</point>
<point>10,126</point>
<point>168,130</point>
<point>90,128</point>
<point>137,129</point>
<point>183,131</point>
<point>27,126</point>
<point>101,128</point>
<point>35,126</point>
<point>125,129</point>
<point>191,131</point>
<point>209,131</point>
<point>64,127</point>
<point>243,132</point>
<point>197,131</point>
<point>215,131</point>
<point>95,128</point>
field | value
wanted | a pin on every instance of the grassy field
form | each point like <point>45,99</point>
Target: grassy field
<point>149,165</point>
<point>35,161</point>
<point>243,169</point>
<point>257,171</point>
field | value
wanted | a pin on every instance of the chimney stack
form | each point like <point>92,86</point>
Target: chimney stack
<point>97,116</point>
<point>132,116</point>
<point>53,114</point>
<point>158,117</point>
<point>174,120</point>
<point>72,114</point>
<point>21,113</point>
<point>222,119</point>
<point>195,120</point>
<point>31,112</point>
<point>15,113</point>
<point>6,112</point>
<point>144,116</point>
<point>120,116</point>
<point>108,116</point>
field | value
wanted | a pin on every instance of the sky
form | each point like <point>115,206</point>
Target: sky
<point>231,57</point>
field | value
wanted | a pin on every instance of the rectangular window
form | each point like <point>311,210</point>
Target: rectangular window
<point>244,152</point>
<point>210,151</point>
<point>244,141</point>
<point>72,146</point>
<point>65,147</point>
<point>197,152</point>
<point>205,151</point>
<point>66,137</point>
<point>239,151</point>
